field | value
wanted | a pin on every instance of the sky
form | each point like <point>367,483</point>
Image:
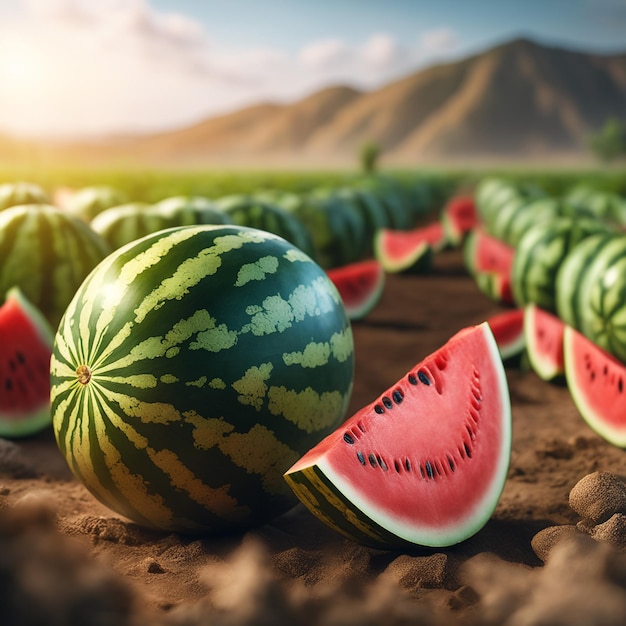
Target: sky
<point>71,68</point>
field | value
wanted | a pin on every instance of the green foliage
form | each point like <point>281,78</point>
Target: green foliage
<point>369,155</point>
<point>609,144</point>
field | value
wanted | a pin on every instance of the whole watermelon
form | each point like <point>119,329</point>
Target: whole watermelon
<point>47,253</point>
<point>21,192</point>
<point>192,368</point>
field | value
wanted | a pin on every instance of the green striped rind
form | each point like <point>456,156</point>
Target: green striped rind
<point>188,211</point>
<point>602,299</point>
<point>330,506</point>
<point>535,211</point>
<point>127,222</point>
<point>490,195</point>
<point>218,356</point>
<point>336,228</point>
<point>470,248</point>
<point>494,285</point>
<point>500,223</point>
<point>252,213</point>
<point>16,194</point>
<point>122,224</point>
<point>47,253</point>
<point>539,255</point>
<point>87,202</point>
<point>570,277</point>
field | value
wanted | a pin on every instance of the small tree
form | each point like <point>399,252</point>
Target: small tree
<point>609,143</point>
<point>370,153</point>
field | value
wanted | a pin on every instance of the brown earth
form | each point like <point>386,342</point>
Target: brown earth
<point>66,559</point>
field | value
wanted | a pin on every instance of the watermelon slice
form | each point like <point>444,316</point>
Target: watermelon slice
<point>409,250</point>
<point>426,462</point>
<point>543,332</point>
<point>360,286</point>
<point>490,262</point>
<point>596,381</point>
<point>508,330</point>
<point>26,339</point>
<point>458,217</point>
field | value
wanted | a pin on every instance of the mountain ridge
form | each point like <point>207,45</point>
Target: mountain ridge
<point>517,100</point>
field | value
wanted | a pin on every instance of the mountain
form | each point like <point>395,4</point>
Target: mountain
<point>520,100</point>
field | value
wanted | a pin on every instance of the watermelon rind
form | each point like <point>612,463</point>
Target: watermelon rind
<point>508,331</point>
<point>333,494</point>
<point>587,368</point>
<point>570,277</point>
<point>543,333</point>
<point>191,368</point>
<point>419,246</point>
<point>32,421</point>
<point>360,286</point>
<point>47,252</point>
<point>602,298</point>
<point>540,253</point>
<point>21,192</point>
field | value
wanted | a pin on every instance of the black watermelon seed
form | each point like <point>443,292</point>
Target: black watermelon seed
<point>379,409</point>
<point>382,463</point>
<point>467,451</point>
<point>407,464</point>
<point>372,460</point>
<point>348,438</point>
<point>387,402</point>
<point>397,466</point>
<point>412,379</point>
<point>429,469</point>
<point>361,458</point>
<point>397,396</point>
<point>423,377</point>
<point>451,463</point>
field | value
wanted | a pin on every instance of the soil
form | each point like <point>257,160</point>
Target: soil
<point>67,559</point>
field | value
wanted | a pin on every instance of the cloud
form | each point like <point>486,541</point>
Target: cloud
<point>77,66</point>
<point>438,41</point>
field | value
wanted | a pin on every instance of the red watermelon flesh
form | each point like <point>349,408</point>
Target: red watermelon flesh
<point>26,340</point>
<point>544,342</point>
<point>508,331</point>
<point>408,250</point>
<point>596,381</point>
<point>458,217</point>
<point>360,286</point>
<point>490,261</point>
<point>488,254</point>
<point>425,463</point>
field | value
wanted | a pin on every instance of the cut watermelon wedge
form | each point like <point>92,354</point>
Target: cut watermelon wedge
<point>26,347</point>
<point>490,262</point>
<point>426,462</point>
<point>409,250</point>
<point>543,332</point>
<point>360,286</point>
<point>508,330</point>
<point>458,217</point>
<point>597,382</point>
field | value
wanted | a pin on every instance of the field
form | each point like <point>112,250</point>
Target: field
<point>66,559</point>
